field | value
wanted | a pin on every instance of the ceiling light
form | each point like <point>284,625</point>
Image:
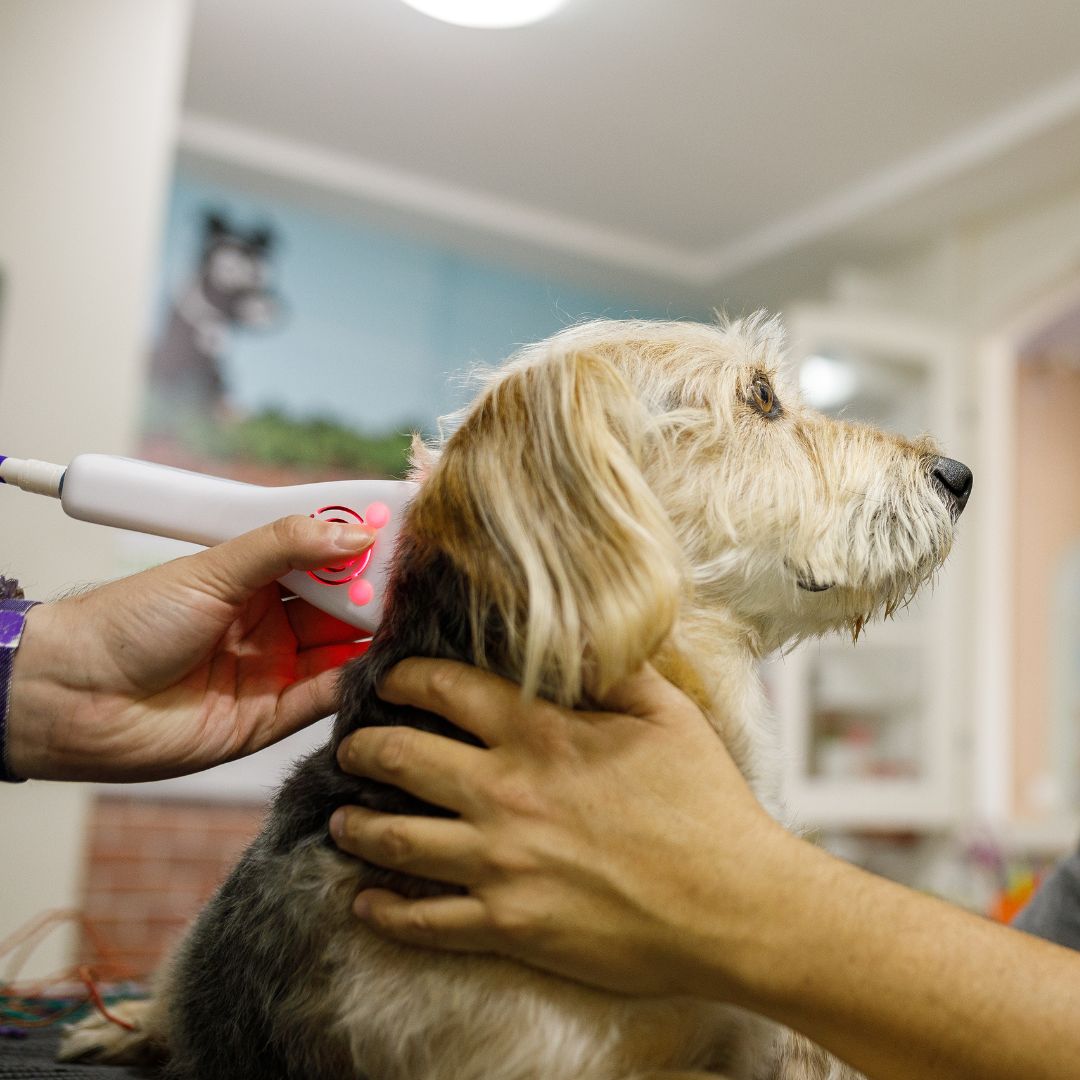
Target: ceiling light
<point>487,13</point>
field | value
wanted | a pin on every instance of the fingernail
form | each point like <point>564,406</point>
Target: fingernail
<point>352,538</point>
<point>337,823</point>
<point>361,906</point>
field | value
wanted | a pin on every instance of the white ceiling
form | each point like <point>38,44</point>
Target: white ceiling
<point>693,142</point>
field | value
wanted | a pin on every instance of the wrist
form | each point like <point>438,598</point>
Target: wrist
<point>32,700</point>
<point>821,930</point>
<point>756,942</point>
<point>798,923</point>
<point>14,610</point>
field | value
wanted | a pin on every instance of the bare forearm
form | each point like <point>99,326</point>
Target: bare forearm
<point>901,985</point>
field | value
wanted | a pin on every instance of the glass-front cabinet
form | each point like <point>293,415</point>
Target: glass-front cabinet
<point>868,728</point>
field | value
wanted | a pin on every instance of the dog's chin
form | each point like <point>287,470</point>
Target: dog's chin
<point>828,608</point>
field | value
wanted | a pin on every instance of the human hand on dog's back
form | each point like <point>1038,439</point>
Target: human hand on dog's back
<point>183,666</point>
<point>583,837</point>
<point>625,850</point>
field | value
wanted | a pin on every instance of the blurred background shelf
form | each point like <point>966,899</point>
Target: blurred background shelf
<point>869,730</point>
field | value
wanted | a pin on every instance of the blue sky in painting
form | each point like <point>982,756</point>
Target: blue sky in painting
<point>377,324</point>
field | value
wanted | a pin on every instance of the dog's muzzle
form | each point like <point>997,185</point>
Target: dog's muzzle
<point>953,482</point>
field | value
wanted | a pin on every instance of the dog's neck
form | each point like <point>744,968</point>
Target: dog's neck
<point>712,656</point>
<point>708,656</point>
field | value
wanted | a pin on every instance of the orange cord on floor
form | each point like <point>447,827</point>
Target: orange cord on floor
<point>87,977</point>
<point>30,1005</point>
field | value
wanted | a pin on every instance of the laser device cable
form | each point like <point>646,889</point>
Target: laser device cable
<point>40,477</point>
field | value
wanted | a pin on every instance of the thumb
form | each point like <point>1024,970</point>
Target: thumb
<point>238,568</point>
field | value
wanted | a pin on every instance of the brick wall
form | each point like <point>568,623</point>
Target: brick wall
<point>150,866</point>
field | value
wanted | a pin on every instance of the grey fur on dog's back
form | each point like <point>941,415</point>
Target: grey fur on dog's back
<point>248,952</point>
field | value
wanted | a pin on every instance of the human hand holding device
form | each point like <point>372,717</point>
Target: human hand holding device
<point>184,666</point>
<point>163,501</point>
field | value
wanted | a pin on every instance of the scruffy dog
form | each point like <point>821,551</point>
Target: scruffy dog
<point>625,491</point>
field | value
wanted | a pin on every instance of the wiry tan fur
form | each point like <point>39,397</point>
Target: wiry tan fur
<point>613,495</point>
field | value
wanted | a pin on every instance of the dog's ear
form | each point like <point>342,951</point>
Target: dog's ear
<point>541,499</point>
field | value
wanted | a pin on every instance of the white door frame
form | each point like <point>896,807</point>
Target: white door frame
<point>996,361</point>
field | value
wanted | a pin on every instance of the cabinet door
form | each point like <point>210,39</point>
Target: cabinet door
<point>868,729</point>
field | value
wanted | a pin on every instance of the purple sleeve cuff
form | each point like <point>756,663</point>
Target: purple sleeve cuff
<point>12,619</point>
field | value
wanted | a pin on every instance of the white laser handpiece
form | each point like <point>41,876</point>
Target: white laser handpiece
<point>163,501</point>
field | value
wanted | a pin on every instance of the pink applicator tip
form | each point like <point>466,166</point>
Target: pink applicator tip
<point>361,592</point>
<point>377,515</point>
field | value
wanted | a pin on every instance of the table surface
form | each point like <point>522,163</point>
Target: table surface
<point>34,1058</point>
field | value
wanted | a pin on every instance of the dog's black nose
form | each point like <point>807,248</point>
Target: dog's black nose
<point>953,480</point>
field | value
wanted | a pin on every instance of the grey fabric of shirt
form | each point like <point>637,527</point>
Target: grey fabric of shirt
<point>1054,911</point>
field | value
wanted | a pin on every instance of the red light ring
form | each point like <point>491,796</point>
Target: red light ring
<point>347,571</point>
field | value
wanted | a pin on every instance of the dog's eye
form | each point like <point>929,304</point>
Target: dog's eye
<point>763,398</point>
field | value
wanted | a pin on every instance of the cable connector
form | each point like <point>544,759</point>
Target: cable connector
<point>39,477</point>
